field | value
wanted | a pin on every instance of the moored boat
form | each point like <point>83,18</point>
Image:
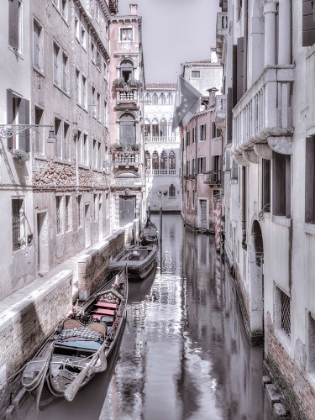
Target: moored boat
<point>149,233</point>
<point>140,261</point>
<point>80,346</point>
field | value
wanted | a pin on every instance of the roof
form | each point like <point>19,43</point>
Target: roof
<point>206,61</point>
<point>161,86</point>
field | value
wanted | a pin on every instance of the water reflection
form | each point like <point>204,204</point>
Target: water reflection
<point>185,354</point>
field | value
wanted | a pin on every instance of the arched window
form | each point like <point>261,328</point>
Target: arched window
<point>147,129</point>
<point>162,99</point>
<point>163,161</point>
<point>127,130</point>
<point>155,160</point>
<point>170,132</point>
<point>155,128</point>
<point>172,159</point>
<point>154,99</point>
<point>126,70</point>
<point>147,160</point>
<point>163,128</point>
<point>169,99</point>
<point>171,191</point>
<point>147,99</point>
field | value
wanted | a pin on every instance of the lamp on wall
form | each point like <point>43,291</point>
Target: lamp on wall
<point>10,130</point>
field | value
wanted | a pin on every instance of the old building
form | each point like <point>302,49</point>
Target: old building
<point>266,112</point>
<point>162,148</point>
<point>202,148</point>
<point>126,119</point>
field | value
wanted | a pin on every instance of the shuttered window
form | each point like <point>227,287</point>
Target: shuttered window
<point>18,112</point>
<point>310,180</point>
<point>17,209</point>
<point>308,34</point>
<point>281,185</point>
<point>240,68</point>
<point>15,24</point>
<point>37,46</point>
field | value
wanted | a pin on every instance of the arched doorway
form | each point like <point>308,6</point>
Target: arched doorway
<point>256,277</point>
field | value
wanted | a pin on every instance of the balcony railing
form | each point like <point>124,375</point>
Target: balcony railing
<point>123,96</point>
<point>161,171</point>
<point>213,178</point>
<point>126,159</point>
<point>161,139</point>
<point>265,109</point>
<point>220,108</point>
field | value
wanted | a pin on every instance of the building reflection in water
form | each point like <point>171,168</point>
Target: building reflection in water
<point>185,354</point>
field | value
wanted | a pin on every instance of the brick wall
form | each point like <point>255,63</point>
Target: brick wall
<point>25,325</point>
<point>299,394</point>
<point>92,266</point>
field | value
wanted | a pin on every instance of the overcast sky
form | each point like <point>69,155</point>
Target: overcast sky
<point>174,31</point>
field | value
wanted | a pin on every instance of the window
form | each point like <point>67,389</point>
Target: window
<point>93,50</point>
<point>172,191</point>
<point>127,130</point>
<point>187,138</point>
<point>37,46</point>
<point>195,74</point>
<point>193,135</point>
<point>311,344</point>
<point>99,155</point>
<point>147,160</point>
<point>77,28</point>
<point>155,161</point>
<point>193,170</point>
<point>95,207</point>
<point>234,170</point>
<point>78,86</point>
<point>162,99</point>
<point>58,214</point>
<point>308,29</point>
<point>79,209</point>
<point>202,132</point>
<point>126,34</point>
<point>282,185</point>
<point>94,152</point>
<point>83,37</point>
<point>66,142</point>
<point>193,199</point>
<point>98,61</point>
<point>64,9</point>
<point>15,24</point>
<point>98,106</point>
<point>163,129</point>
<point>58,136</point>
<point>68,213</point>
<point>83,92</point>
<point>105,113</point>
<point>154,99</point>
<point>285,323</point>
<point>201,165</point>
<point>18,113</point>
<point>163,162</point>
<point>85,150</point>
<point>65,74</point>
<point>172,162</point>
<point>17,223</point>
<point>155,129</point>
<point>56,51</point>
<point>169,99</point>
<point>147,99</point>
<point>97,11</point>
<point>126,70</point>
<point>216,132</point>
<point>39,139</point>
<point>187,199</point>
<point>265,185</point>
<point>310,180</point>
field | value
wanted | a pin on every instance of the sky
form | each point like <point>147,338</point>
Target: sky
<point>173,32</point>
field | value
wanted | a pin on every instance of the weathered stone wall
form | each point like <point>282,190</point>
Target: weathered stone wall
<point>290,374</point>
<point>92,266</point>
<point>25,325</point>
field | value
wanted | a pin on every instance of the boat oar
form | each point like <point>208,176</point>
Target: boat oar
<point>74,387</point>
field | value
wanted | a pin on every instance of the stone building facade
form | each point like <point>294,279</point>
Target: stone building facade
<point>162,148</point>
<point>202,148</point>
<point>126,119</point>
<point>266,112</point>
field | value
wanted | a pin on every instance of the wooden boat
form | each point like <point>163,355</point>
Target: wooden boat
<point>149,234</point>
<point>80,346</point>
<point>140,261</point>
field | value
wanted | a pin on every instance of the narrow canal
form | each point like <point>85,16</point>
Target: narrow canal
<point>184,353</point>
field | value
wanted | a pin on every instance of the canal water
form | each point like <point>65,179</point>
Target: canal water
<point>184,353</point>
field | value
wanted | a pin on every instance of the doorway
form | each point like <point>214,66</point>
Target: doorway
<point>127,209</point>
<point>42,241</point>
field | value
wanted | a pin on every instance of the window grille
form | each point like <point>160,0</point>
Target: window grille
<point>16,223</point>
<point>285,313</point>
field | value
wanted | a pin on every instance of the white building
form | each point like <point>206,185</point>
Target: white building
<point>162,148</point>
<point>267,113</point>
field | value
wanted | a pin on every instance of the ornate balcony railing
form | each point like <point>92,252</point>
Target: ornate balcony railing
<point>123,96</point>
<point>213,178</point>
<point>126,159</point>
<point>161,171</point>
<point>265,110</point>
<point>160,139</point>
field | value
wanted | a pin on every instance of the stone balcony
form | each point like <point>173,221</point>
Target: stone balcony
<point>221,32</point>
<point>125,159</point>
<point>127,97</point>
<point>262,119</point>
<point>161,139</point>
<point>220,109</point>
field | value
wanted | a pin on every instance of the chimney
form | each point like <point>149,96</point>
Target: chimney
<point>133,9</point>
<point>212,93</point>
<point>213,55</point>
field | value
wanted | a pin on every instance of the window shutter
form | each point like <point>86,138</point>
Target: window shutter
<point>14,24</point>
<point>213,130</point>
<point>234,77</point>
<point>10,115</point>
<point>229,116</point>
<point>212,163</point>
<point>204,165</point>
<point>24,118</point>
<point>240,68</point>
<point>308,28</point>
